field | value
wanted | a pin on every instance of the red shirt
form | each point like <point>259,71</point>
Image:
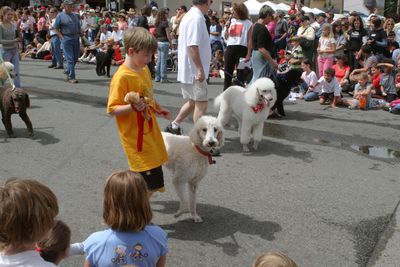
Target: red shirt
<point>375,80</point>
<point>340,73</point>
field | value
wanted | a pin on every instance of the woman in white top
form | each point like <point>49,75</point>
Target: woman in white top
<point>237,39</point>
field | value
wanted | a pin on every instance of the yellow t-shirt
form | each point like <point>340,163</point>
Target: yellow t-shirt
<point>153,153</point>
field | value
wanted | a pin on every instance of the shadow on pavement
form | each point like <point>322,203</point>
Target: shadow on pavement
<point>219,223</point>
<point>41,137</point>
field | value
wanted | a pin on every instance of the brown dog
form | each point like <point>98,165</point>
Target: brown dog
<point>14,101</point>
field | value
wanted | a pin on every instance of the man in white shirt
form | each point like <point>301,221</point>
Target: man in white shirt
<point>194,57</point>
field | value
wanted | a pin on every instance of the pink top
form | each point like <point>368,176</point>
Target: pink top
<point>122,25</point>
<point>271,28</point>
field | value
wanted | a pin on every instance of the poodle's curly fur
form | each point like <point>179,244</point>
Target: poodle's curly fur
<point>14,101</point>
<point>187,165</point>
<point>250,106</point>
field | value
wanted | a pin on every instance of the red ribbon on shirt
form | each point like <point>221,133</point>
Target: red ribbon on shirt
<point>140,120</point>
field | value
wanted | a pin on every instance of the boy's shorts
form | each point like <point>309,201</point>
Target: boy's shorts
<point>327,95</point>
<point>154,179</point>
<point>196,91</point>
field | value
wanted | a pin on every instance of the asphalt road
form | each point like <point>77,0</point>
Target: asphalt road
<point>322,187</point>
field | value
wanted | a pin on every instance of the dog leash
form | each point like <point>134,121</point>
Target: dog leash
<point>6,70</point>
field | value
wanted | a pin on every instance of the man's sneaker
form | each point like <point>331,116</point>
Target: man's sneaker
<point>51,66</point>
<point>73,81</point>
<point>176,131</point>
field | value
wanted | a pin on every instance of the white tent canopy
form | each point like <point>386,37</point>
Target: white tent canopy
<point>283,7</point>
<point>253,6</point>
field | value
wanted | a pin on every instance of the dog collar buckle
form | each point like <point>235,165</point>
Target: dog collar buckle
<point>208,155</point>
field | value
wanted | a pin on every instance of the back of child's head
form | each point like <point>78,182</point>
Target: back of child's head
<point>126,204</point>
<point>55,247</point>
<point>139,39</point>
<point>27,212</point>
<point>329,71</point>
<point>274,259</point>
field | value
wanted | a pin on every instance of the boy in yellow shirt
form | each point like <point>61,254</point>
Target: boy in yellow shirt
<point>137,125</point>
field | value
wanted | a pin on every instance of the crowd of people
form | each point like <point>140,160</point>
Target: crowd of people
<point>336,56</point>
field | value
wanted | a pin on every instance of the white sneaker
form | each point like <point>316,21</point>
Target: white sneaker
<point>93,60</point>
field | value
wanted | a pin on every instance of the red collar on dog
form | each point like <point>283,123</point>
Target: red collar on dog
<point>204,153</point>
<point>258,108</point>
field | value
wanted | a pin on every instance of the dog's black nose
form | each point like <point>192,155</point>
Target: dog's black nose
<point>211,143</point>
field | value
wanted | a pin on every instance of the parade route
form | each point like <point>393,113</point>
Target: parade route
<point>323,187</point>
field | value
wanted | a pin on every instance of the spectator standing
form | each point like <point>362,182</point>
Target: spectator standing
<point>340,38</point>
<point>56,59</point>
<point>237,36</point>
<point>42,25</point>
<point>9,38</point>
<point>326,49</point>
<point>163,43</point>
<point>307,33</point>
<point>377,38</point>
<point>281,31</point>
<point>194,57</point>
<point>27,29</point>
<point>391,45</point>
<point>215,35</point>
<point>261,59</point>
<point>356,37</point>
<point>122,23</point>
<point>142,20</point>
<point>68,29</point>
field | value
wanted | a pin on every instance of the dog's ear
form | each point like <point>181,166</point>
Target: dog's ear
<point>27,101</point>
<point>221,136</point>
<point>251,94</point>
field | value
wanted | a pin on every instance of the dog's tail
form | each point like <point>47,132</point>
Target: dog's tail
<point>224,113</point>
<point>217,101</point>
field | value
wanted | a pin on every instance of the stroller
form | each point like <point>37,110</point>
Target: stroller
<point>172,61</point>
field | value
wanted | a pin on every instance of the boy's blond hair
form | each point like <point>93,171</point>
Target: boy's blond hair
<point>27,212</point>
<point>126,202</point>
<point>139,39</point>
<point>274,259</point>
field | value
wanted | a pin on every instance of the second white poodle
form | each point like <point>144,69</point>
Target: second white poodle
<point>189,157</point>
<point>250,106</point>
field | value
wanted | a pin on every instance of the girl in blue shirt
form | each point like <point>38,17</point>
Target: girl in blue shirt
<point>130,239</point>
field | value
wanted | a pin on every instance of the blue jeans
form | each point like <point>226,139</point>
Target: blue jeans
<point>311,96</point>
<point>12,55</point>
<point>71,54</point>
<point>161,68</point>
<point>56,58</point>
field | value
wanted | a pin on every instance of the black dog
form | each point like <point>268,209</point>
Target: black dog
<point>103,60</point>
<point>284,83</point>
<point>14,101</point>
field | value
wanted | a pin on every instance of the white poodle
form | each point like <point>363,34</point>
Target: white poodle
<point>4,68</point>
<point>250,106</point>
<point>189,157</point>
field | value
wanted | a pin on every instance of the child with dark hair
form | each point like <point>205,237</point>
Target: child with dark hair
<point>330,88</point>
<point>388,80</point>
<point>55,246</point>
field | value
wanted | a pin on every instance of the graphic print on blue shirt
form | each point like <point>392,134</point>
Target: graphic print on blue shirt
<point>120,255</point>
<point>137,254</point>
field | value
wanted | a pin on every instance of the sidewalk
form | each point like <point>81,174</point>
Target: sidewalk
<point>94,90</point>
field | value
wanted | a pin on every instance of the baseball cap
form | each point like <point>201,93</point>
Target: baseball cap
<point>68,2</point>
<point>154,8</point>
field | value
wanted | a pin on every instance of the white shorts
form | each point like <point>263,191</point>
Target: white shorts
<point>196,91</point>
